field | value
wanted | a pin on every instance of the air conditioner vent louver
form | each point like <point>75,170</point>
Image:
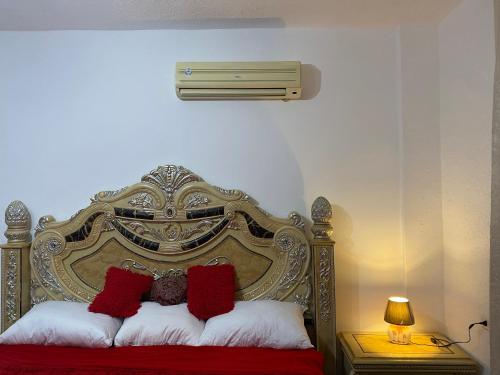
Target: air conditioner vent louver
<point>238,80</point>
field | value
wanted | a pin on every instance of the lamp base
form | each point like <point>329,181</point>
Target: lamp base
<point>399,334</point>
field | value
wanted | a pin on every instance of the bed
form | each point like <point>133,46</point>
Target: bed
<point>169,221</point>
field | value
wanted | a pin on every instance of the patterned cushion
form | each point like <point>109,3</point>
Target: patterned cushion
<point>169,290</point>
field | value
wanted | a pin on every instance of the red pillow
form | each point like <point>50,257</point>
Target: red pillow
<point>121,296</point>
<point>210,290</point>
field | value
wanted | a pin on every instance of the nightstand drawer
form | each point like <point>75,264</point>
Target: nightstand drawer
<point>405,369</point>
<point>372,353</point>
<point>346,366</point>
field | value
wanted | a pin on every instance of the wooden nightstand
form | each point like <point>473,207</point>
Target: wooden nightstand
<point>372,353</point>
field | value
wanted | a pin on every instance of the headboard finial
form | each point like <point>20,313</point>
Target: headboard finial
<point>321,213</point>
<point>18,220</point>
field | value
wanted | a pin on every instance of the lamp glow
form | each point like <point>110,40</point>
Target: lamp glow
<point>399,315</point>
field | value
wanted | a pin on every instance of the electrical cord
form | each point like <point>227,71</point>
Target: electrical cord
<point>442,343</point>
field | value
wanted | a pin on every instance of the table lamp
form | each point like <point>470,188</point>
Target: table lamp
<point>399,315</point>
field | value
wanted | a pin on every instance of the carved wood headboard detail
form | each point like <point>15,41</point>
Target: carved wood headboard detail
<point>168,222</point>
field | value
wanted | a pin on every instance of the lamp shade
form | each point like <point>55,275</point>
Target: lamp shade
<point>398,312</point>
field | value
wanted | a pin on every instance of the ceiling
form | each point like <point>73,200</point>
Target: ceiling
<point>204,14</point>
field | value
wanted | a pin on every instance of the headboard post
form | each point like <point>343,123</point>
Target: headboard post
<point>324,281</point>
<point>15,264</point>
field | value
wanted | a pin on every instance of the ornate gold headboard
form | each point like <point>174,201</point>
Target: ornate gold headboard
<point>168,222</point>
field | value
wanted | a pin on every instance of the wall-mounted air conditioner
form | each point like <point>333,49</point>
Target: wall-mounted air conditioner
<point>238,80</point>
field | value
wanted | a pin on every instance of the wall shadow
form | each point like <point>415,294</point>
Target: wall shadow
<point>204,24</point>
<point>310,77</point>
<point>346,271</point>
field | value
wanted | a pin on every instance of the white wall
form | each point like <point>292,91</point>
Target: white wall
<point>466,55</point>
<point>446,108</point>
<point>82,112</point>
<point>421,175</point>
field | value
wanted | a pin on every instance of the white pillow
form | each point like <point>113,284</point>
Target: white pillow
<point>155,324</point>
<point>62,323</point>
<point>266,324</point>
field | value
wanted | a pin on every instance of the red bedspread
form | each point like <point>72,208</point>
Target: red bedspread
<point>166,360</point>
